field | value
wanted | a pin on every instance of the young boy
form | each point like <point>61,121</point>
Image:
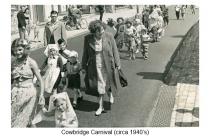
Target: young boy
<point>63,51</point>
<point>73,67</point>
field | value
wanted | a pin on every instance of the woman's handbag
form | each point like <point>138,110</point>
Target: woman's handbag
<point>123,79</point>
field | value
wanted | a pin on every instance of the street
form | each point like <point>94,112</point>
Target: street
<point>135,102</point>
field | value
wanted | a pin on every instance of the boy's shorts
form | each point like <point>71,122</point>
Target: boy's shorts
<point>74,81</point>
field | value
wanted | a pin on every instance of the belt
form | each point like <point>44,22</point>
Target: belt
<point>22,84</point>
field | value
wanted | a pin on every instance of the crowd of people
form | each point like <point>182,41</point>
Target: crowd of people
<point>61,69</point>
<point>136,34</point>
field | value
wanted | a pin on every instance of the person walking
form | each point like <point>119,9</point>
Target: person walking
<point>101,11</point>
<point>192,7</point>
<point>145,18</point>
<point>119,36</point>
<point>165,16</point>
<point>177,10</point>
<point>73,67</point>
<point>24,95</point>
<point>100,61</point>
<point>27,19</point>
<point>53,73</point>
<point>183,11</point>
<point>54,30</point>
<point>22,22</point>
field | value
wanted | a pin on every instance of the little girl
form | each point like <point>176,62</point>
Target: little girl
<point>73,75</point>
<point>129,38</point>
<point>53,74</point>
<point>60,111</point>
<point>139,26</point>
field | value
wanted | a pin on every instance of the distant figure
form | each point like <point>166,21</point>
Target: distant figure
<point>22,22</point>
<point>75,14</point>
<point>183,11</point>
<point>36,32</point>
<point>145,18</point>
<point>101,11</point>
<point>165,16</point>
<point>27,19</point>
<point>111,27</point>
<point>192,7</point>
<point>177,10</point>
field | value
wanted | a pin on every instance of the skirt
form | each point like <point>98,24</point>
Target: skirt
<point>23,105</point>
<point>102,80</point>
<point>51,79</point>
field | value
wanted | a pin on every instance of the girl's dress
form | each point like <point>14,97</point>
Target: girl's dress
<point>52,76</point>
<point>24,95</point>
<point>129,36</point>
<point>101,69</point>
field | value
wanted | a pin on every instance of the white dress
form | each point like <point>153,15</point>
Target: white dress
<point>51,74</point>
<point>100,67</point>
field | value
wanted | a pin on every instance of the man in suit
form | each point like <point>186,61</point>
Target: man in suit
<point>22,22</point>
<point>54,30</point>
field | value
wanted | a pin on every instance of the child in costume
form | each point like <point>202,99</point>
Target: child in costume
<point>54,71</point>
<point>60,111</point>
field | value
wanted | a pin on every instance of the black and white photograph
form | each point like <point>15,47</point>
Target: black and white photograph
<point>104,66</point>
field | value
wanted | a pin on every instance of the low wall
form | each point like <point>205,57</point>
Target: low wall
<point>183,66</point>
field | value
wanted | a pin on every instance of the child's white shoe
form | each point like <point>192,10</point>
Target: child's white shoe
<point>99,111</point>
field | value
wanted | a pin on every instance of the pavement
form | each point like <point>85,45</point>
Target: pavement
<point>180,102</point>
<point>38,43</point>
<point>186,108</point>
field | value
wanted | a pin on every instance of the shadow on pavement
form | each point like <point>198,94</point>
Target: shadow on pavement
<point>178,36</point>
<point>89,106</point>
<point>151,75</point>
<point>46,124</point>
<point>187,124</point>
<point>194,111</point>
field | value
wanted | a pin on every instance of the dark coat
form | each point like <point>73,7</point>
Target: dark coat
<point>21,19</point>
<point>111,58</point>
<point>58,33</point>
